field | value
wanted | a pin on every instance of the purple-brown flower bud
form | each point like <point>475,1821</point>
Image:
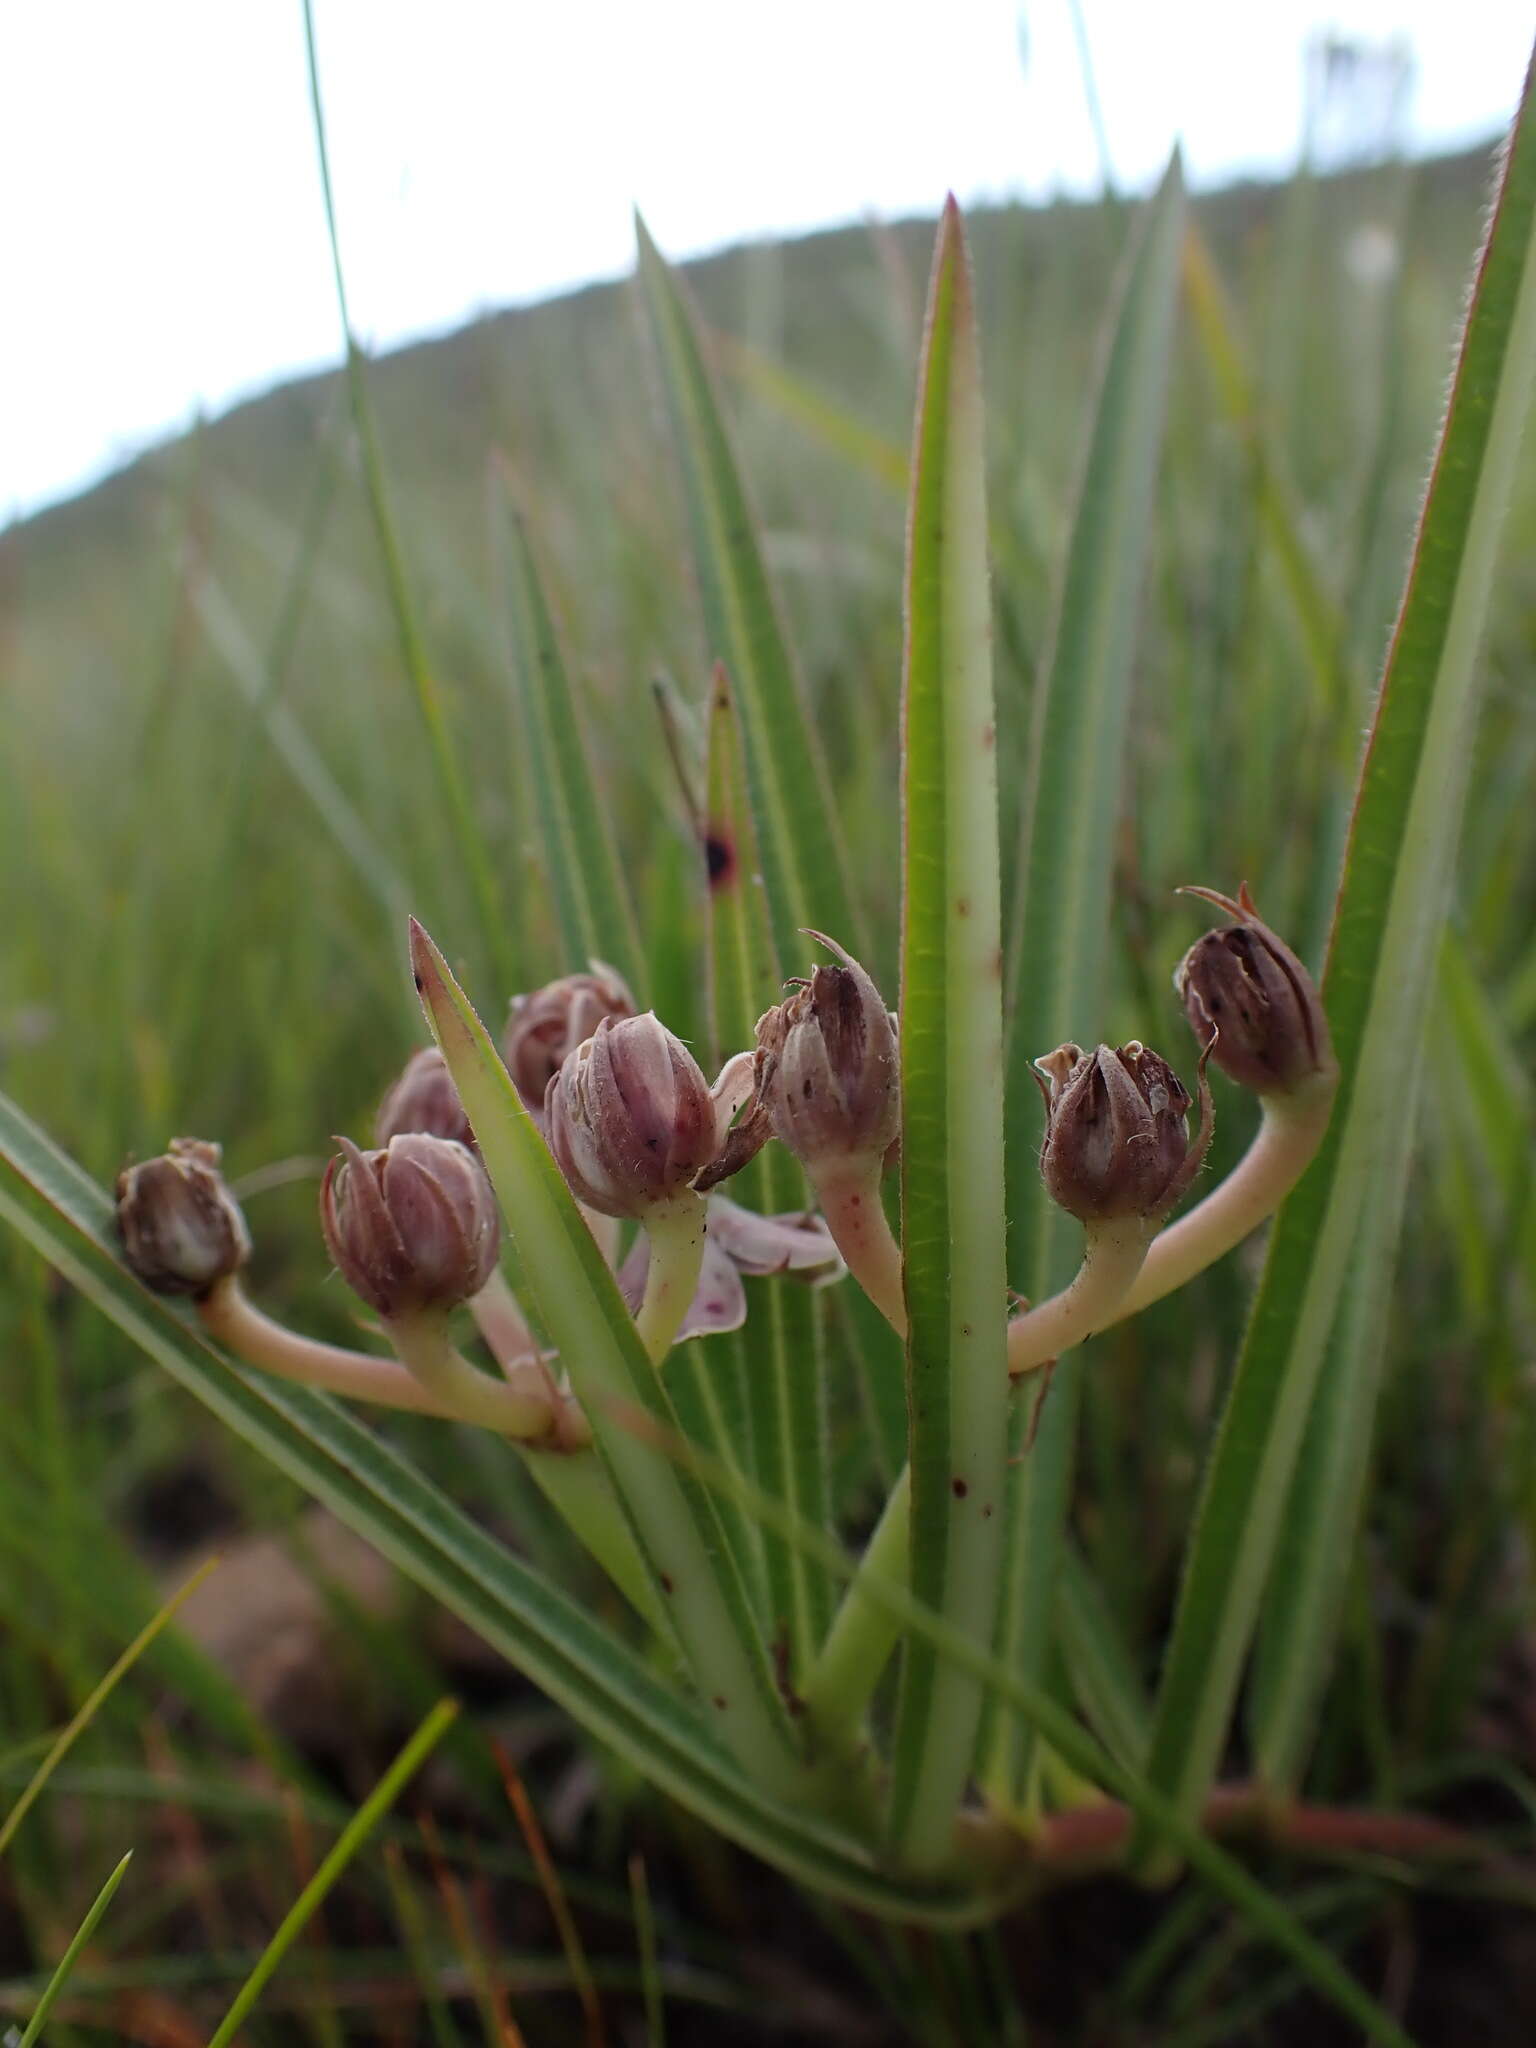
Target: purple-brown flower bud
<point>1271,1033</point>
<point>829,1066</point>
<point>1115,1142</point>
<point>546,1027</point>
<point>423,1099</point>
<point>414,1226</point>
<point>630,1118</point>
<point>181,1228</point>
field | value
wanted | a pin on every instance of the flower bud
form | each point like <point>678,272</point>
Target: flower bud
<point>829,1066</point>
<point>181,1228</point>
<point>1271,1033</point>
<point>1115,1143</point>
<point>545,1028</point>
<point>423,1099</point>
<point>414,1226</point>
<point>630,1118</point>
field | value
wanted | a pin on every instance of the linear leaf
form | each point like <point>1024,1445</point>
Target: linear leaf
<point>1387,925</point>
<point>804,865</point>
<point>574,1296</point>
<point>780,1345</point>
<point>58,1982</point>
<point>597,917</point>
<point>952,1064</point>
<point>1061,907</point>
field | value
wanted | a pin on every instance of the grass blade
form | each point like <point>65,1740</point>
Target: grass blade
<point>457,804</point>
<point>780,1345</point>
<point>1061,907</point>
<point>573,1295</point>
<point>597,918</point>
<point>345,1847</point>
<point>804,866</point>
<point>77,1724</point>
<point>72,1954</point>
<point>952,1065</point>
<point>1381,955</point>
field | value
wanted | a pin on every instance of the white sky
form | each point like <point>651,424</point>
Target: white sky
<point>164,246</point>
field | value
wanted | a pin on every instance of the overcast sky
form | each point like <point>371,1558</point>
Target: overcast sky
<point>164,243</point>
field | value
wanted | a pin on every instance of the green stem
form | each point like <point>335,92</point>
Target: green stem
<point>676,1234</point>
<point>849,1194</point>
<point>1286,1142</point>
<point>865,1631</point>
<point>1112,1258</point>
<point>501,1322</point>
<point>524,1405</point>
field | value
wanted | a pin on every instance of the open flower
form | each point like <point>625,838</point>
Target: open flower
<point>738,1241</point>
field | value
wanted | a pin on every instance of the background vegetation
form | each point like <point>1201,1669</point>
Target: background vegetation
<point>215,804</point>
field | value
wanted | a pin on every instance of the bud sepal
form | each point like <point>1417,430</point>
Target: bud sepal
<point>182,1230</point>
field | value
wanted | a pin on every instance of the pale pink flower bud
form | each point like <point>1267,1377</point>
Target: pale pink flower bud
<point>1115,1139</point>
<point>181,1228</point>
<point>630,1118</point>
<point>546,1027</point>
<point>1245,982</point>
<point>423,1099</point>
<point>829,1066</point>
<point>414,1226</point>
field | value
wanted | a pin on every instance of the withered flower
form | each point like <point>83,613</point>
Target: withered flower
<point>181,1228</point>
<point>1115,1142</point>
<point>829,1067</point>
<point>630,1118</point>
<point>423,1099</point>
<point>544,1028</point>
<point>1243,979</point>
<point>414,1226</point>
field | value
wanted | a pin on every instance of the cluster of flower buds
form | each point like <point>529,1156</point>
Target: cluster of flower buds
<point>1115,1138</point>
<point>413,1226</point>
<point>1243,982</point>
<point>181,1228</point>
<point>545,1028</point>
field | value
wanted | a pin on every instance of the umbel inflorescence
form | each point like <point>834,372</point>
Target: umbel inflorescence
<point>641,1136</point>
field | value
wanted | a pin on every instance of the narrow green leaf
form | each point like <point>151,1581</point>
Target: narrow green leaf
<point>340,1854</point>
<point>804,865</point>
<point>72,1955</point>
<point>574,1296</point>
<point>454,790</point>
<point>1381,955</point>
<point>597,918</point>
<point>951,1065</point>
<point>1099,1664</point>
<point>780,1345</point>
<point>1061,906</point>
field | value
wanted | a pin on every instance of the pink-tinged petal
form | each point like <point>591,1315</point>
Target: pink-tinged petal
<point>719,1302</point>
<point>797,1243</point>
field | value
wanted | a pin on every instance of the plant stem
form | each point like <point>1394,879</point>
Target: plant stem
<point>501,1323</point>
<point>236,1323</point>
<point>676,1234</point>
<point>525,1405</point>
<point>1288,1136</point>
<point>849,1195</point>
<point>1112,1258</point>
<point>864,1632</point>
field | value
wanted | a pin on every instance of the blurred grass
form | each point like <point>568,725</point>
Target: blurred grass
<point>213,800</point>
